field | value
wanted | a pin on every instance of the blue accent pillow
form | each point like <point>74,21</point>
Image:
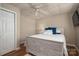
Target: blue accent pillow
<point>53,30</point>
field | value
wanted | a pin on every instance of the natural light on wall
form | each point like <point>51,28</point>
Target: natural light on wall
<point>41,28</point>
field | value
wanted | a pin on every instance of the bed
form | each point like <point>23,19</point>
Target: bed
<point>47,45</point>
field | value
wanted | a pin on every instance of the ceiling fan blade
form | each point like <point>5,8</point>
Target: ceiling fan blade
<point>43,12</point>
<point>37,9</point>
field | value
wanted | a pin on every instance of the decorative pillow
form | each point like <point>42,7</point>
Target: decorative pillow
<point>58,30</point>
<point>54,30</point>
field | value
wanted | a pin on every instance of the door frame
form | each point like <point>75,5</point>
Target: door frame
<point>15,25</point>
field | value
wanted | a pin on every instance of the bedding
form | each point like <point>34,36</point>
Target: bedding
<point>47,45</point>
<point>54,30</point>
<point>47,32</point>
<point>56,38</point>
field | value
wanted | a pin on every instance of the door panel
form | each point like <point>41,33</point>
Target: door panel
<point>6,31</point>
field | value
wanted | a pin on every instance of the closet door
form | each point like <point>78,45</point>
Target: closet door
<point>7,40</point>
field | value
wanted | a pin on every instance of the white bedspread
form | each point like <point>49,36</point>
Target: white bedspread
<point>54,38</point>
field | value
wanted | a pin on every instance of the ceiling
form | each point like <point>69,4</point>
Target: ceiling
<point>45,9</point>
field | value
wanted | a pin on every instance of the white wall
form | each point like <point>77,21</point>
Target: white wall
<point>62,21</point>
<point>27,26</point>
<point>77,34</point>
<point>17,10</point>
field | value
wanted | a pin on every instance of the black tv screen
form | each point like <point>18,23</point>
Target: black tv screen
<point>75,18</point>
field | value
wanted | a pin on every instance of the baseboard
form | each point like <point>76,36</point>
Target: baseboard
<point>10,51</point>
<point>71,44</point>
<point>17,48</point>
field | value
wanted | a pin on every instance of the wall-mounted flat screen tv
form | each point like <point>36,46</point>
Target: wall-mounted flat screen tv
<point>75,18</point>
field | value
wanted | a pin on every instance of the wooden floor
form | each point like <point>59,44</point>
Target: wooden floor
<point>21,52</point>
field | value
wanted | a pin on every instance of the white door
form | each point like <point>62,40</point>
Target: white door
<point>7,40</point>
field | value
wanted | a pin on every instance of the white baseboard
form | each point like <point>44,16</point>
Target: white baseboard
<point>9,51</point>
<point>17,48</point>
<point>71,45</point>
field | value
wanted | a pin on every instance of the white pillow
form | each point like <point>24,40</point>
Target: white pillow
<point>58,30</point>
<point>48,32</point>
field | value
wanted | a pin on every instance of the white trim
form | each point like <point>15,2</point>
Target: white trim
<point>10,50</point>
<point>71,45</point>
<point>3,8</point>
<point>17,48</point>
<point>2,53</point>
<point>15,25</point>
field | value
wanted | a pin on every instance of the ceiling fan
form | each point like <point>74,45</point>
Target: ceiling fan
<point>37,8</point>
